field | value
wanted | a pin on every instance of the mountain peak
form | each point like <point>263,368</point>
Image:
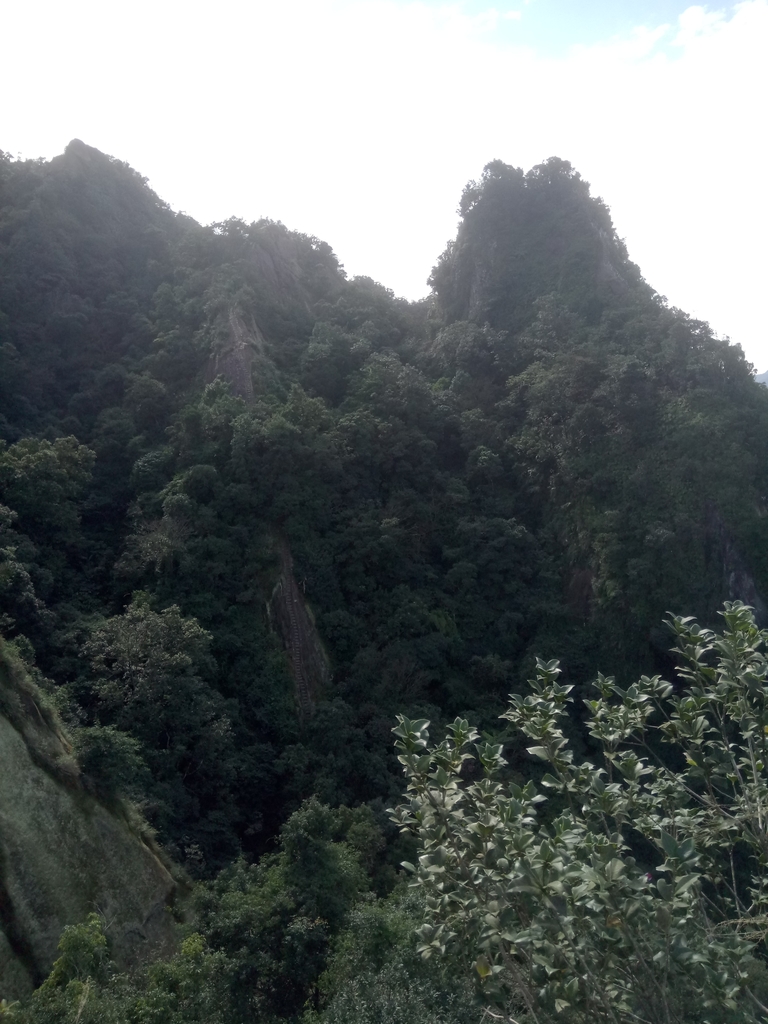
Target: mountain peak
<point>524,235</point>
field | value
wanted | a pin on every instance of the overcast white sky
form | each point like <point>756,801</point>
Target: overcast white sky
<point>360,121</point>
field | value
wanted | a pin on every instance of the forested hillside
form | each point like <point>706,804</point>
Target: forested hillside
<point>251,509</point>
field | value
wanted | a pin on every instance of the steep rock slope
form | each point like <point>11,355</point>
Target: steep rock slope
<point>63,854</point>
<point>294,623</point>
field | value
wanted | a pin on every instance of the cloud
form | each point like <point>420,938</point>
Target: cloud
<point>695,22</point>
<point>361,120</point>
<point>640,42</point>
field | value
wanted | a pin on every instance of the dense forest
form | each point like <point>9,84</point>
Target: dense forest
<point>251,510</point>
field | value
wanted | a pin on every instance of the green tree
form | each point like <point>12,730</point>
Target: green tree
<point>376,976</point>
<point>148,681</point>
<point>84,988</point>
<point>43,482</point>
<point>84,954</point>
<point>274,921</point>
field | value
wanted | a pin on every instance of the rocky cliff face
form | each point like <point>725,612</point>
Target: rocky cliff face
<point>736,581</point>
<point>292,620</point>
<point>63,854</point>
<point>240,355</point>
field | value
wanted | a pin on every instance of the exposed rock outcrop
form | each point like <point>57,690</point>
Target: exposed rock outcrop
<point>737,582</point>
<point>234,358</point>
<point>292,620</point>
<point>63,854</point>
<point>240,356</point>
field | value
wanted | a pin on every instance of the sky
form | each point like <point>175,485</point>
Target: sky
<point>360,121</point>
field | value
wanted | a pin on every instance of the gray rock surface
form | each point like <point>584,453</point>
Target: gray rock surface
<point>63,854</point>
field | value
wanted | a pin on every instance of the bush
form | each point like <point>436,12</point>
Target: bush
<point>567,920</point>
<point>112,760</point>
